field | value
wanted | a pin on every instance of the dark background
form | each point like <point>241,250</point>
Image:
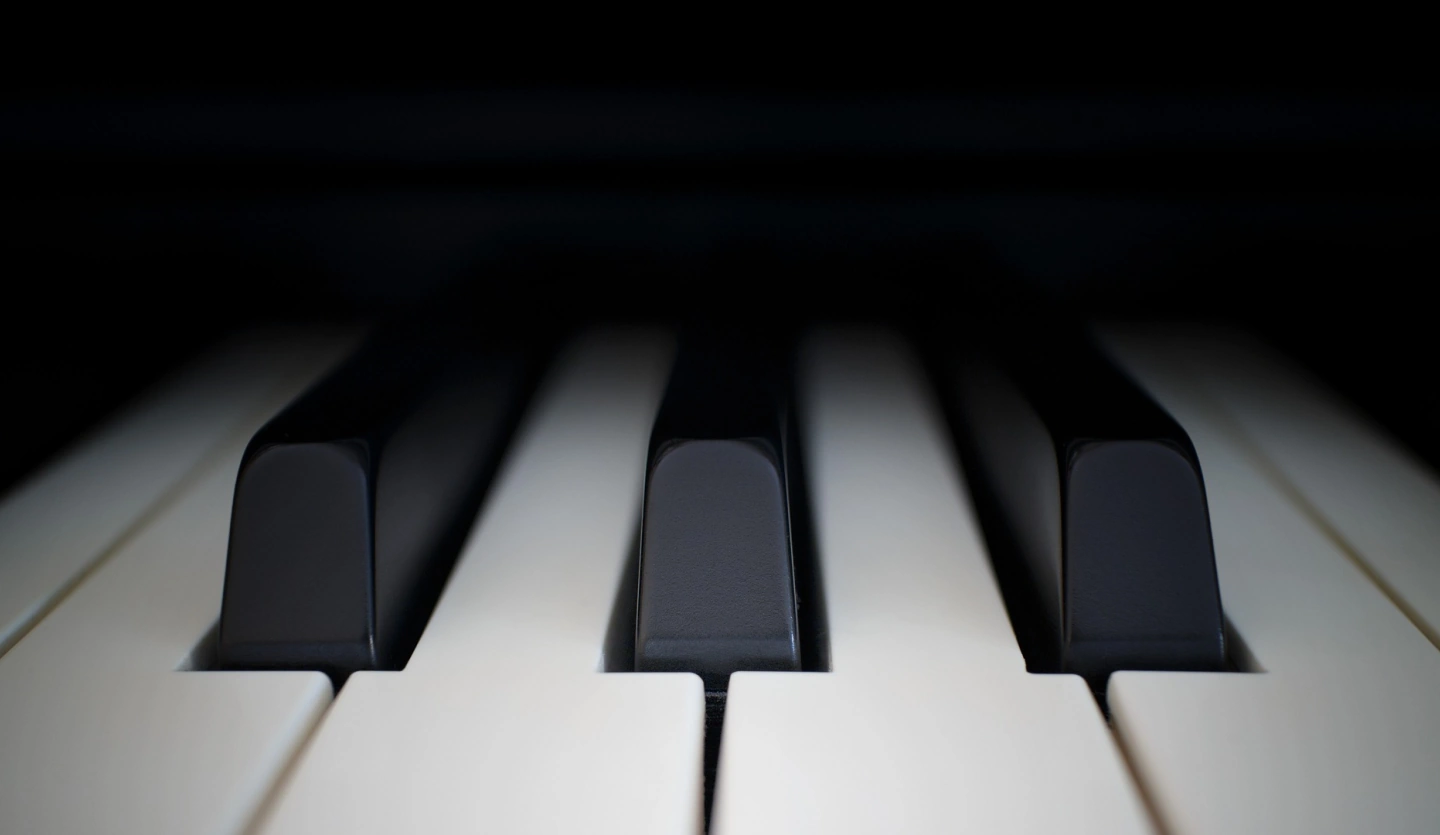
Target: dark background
<point>144,215</point>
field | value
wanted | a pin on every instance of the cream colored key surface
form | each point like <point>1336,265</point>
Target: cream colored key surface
<point>100,730</point>
<point>502,721</point>
<point>1381,501</point>
<point>1341,732</point>
<point>62,521</point>
<point>929,721</point>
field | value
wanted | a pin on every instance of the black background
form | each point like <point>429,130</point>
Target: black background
<point>152,204</point>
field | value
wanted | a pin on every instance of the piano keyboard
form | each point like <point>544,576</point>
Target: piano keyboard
<point>510,715</point>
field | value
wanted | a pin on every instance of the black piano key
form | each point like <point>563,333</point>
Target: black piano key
<point>1094,507</point>
<point>717,576</point>
<point>351,504</point>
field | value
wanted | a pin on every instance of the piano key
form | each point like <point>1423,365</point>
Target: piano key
<point>503,720</point>
<point>1341,731</point>
<point>1380,500</point>
<point>929,721</point>
<point>116,734</point>
<point>352,502</point>
<point>1095,494</point>
<point>716,580</point>
<point>66,519</point>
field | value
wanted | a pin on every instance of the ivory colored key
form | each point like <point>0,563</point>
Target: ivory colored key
<point>102,729</point>
<point>929,721</point>
<point>1381,500</point>
<point>1341,732</point>
<point>65,519</point>
<point>503,720</point>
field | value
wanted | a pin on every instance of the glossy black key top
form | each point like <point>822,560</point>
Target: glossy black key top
<point>351,504</point>
<point>717,574</point>
<point>1094,508</point>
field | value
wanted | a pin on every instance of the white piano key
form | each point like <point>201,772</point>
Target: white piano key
<point>1341,732</point>
<point>502,720</point>
<point>64,520</point>
<point>1381,500</point>
<point>929,721</point>
<point>100,730</point>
